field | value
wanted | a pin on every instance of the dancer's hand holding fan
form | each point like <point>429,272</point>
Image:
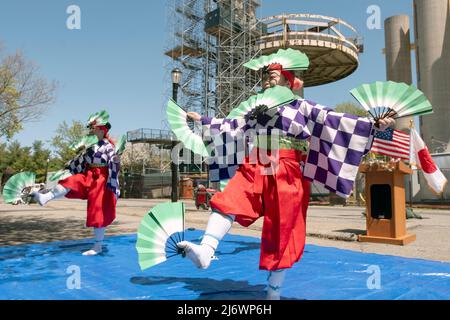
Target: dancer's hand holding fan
<point>177,118</point>
<point>383,100</point>
<point>262,102</point>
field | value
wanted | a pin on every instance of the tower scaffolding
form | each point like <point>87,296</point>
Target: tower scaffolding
<point>187,47</point>
<point>209,41</point>
<point>234,30</point>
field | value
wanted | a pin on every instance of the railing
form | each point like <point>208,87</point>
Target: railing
<point>149,134</point>
<point>279,28</point>
<point>308,35</point>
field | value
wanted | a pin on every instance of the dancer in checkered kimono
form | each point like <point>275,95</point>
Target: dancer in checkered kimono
<point>337,144</point>
<point>94,178</point>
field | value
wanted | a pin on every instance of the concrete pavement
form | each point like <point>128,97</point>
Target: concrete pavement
<point>326,226</point>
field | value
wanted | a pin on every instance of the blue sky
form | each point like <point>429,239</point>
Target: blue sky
<point>116,60</point>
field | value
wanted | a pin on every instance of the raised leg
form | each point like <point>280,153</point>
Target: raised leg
<point>57,192</point>
<point>201,255</point>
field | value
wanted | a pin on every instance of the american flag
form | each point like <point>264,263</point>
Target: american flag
<point>392,143</point>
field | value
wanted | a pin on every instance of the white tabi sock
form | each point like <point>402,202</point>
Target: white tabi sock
<point>57,192</point>
<point>275,282</point>
<point>99,235</point>
<point>201,255</point>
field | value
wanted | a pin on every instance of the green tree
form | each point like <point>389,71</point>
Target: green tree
<point>17,159</point>
<point>39,158</point>
<point>351,108</point>
<point>65,135</point>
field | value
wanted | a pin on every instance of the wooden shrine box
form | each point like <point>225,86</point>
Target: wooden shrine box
<point>386,204</point>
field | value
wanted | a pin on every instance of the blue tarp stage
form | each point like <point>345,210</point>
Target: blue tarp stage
<point>47,271</point>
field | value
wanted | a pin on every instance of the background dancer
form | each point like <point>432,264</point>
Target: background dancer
<point>94,178</point>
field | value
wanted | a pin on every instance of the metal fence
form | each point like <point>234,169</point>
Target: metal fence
<point>156,184</point>
<point>147,186</point>
<point>149,134</point>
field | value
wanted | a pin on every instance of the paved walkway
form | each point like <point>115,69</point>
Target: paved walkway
<point>326,226</point>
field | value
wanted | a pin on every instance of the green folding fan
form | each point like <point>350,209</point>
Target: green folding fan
<point>391,99</point>
<point>18,188</point>
<point>177,119</point>
<point>84,142</point>
<point>60,175</point>
<point>289,58</point>
<point>120,145</point>
<point>158,234</point>
<point>266,100</point>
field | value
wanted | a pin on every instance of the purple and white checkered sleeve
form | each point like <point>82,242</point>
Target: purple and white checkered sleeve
<point>77,165</point>
<point>218,126</point>
<point>299,118</point>
<point>114,168</point>
<point>338,143</point>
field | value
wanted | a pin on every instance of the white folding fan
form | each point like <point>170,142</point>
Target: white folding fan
<point>391,99</point>
<point>18,188</point>
<point>289,58</point>
<point>120,145</point>
<point>84,142</point>
<point>158,234</point>
<point>177,119</point>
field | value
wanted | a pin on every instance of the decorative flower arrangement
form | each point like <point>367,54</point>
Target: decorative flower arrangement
<point>380,162</point>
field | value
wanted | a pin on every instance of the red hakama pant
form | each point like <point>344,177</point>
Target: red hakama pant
<point>91,186</point>
<point>282,198</point>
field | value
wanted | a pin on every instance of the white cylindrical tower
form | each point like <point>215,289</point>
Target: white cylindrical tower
<point>432,33</point>
<point>398,56</point>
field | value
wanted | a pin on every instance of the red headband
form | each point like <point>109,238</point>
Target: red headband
<point>295,83</point>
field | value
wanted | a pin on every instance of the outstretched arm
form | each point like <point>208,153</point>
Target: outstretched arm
<point>77,165</point>
<point>311,119</point>
<point>338,143</point>
<point>219,126</point>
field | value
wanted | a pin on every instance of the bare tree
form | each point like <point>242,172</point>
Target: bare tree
<point>142,155</point>
<point>24,94</point>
